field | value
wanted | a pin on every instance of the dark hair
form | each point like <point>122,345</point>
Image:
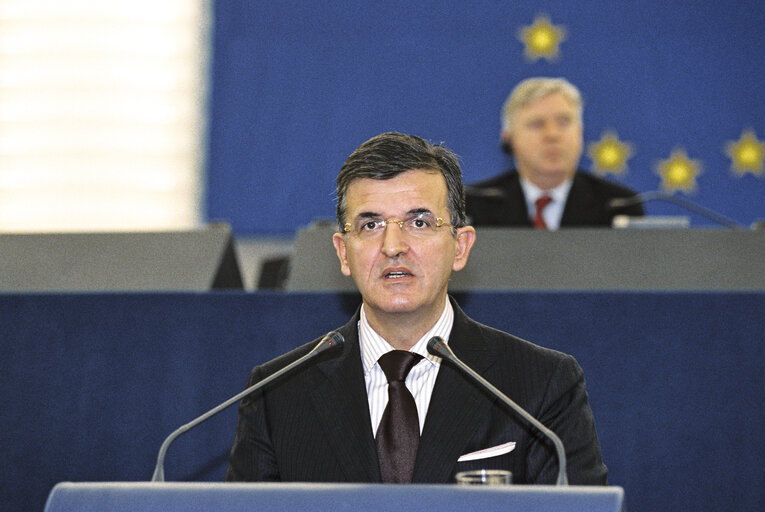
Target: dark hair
<point>389,154</point>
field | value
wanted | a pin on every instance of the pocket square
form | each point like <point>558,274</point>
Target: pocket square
<point>486,453</point>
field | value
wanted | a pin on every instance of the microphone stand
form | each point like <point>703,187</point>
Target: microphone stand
<point>331,341</point>
<point>438,347</point>
<point>679,201</point>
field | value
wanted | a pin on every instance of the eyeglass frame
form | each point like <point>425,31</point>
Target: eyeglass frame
<point>384,225</point>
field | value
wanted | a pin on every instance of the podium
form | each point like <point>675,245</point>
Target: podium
<point>293,497</point>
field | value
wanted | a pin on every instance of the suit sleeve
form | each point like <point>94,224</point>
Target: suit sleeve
<point>566,411</point>
<point>252,457</point>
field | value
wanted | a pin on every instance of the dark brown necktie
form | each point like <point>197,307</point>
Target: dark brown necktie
<point>539,221</point>
<point>399,432</point>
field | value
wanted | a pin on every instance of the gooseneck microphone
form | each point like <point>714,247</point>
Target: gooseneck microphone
<point>623,202</point>
<point>438,347</point>
<point>332,341</point>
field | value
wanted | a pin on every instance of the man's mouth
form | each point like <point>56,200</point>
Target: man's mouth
<point>396,274</point>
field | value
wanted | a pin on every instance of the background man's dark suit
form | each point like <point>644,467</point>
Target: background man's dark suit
<point>315,425</point>
<point>499,201</point>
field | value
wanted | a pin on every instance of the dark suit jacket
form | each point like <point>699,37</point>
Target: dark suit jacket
<point>500,202</point>
<point>314,426</point>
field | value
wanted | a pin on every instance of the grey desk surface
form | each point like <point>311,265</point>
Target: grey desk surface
<point>575,259</point>
<point>118,261</point>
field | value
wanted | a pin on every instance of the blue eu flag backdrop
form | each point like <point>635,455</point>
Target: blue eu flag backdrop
<point>672,91</point>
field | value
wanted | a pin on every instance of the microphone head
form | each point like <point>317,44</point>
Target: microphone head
<point>334,340</point>
<point>618,202</point>
<point>437,347</point>
<point>642,197</point>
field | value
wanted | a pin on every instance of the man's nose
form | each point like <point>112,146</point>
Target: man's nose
<point>552,130</point>
<point>394,240</point>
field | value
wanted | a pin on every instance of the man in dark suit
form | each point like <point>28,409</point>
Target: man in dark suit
<point>542,130</point>
<point>402,232</point>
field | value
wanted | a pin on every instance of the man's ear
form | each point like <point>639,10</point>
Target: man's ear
<point>338,239</point>
<point>465,239</point>
<point>506,142</point>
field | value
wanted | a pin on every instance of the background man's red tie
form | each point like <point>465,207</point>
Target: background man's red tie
<point>539,221</point>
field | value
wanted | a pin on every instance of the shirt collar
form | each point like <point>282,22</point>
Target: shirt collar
<point>558,194</point>
<point>373,345</point>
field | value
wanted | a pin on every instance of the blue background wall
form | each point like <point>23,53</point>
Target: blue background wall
<point>296,86</point>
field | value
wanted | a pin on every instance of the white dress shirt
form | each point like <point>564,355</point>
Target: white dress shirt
<point>422,376</point>
<point>553,212</point>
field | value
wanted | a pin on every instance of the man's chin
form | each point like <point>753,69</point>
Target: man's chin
<point>399,307</point>
<point>396,305</point>
<point>557,170</point>
<point>553,176</point>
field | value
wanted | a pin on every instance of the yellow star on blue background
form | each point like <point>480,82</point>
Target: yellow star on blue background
<point>679,172</point>
<point>609,154</point>
<point>542,38</point>
<point>746,154</point>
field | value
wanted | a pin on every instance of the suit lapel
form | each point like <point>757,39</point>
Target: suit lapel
<point>338,392</point>
<point>581,206</point>
<point>457,406</point>
<point>517,212</point>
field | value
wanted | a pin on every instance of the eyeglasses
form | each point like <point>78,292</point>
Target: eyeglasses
<point>420,225</point>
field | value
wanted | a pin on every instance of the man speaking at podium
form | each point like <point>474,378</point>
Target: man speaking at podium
<point>384,409</point>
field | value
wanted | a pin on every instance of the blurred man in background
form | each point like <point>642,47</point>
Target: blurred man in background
<point>542,131</point>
